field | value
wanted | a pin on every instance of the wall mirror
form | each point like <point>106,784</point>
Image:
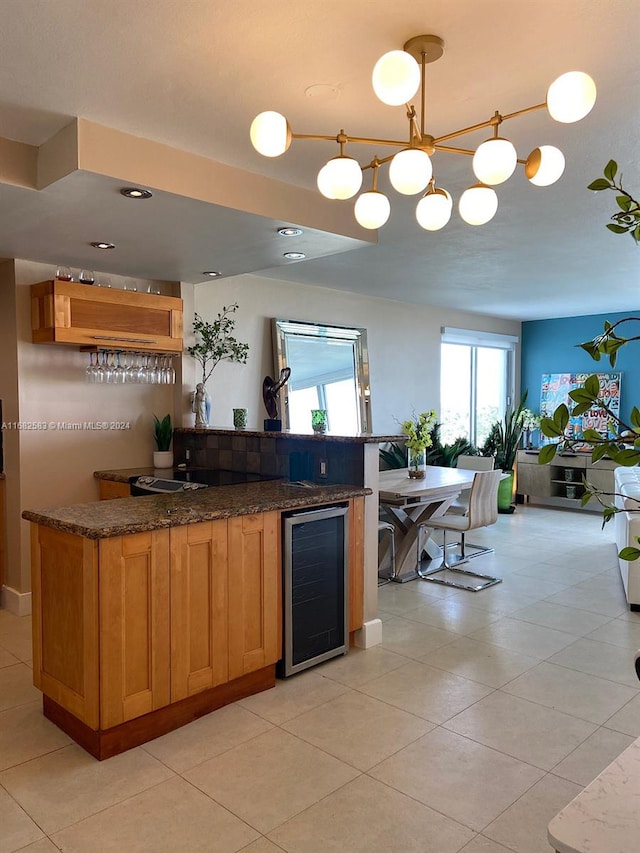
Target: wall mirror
<point>329,370</point>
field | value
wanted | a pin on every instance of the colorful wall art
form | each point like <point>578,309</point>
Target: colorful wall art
<point>555,390</point>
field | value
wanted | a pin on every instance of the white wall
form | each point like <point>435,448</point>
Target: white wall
<point>403,339</point>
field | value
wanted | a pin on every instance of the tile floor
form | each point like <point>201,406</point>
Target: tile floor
<point>478,718</point>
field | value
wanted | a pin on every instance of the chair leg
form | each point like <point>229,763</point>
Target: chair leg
<point>445,566</point>
<point>465,556</point>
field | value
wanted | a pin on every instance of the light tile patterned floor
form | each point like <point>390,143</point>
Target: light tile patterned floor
<point>478,718</point>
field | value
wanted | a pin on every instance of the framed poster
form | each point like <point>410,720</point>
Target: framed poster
<point>555,390</point>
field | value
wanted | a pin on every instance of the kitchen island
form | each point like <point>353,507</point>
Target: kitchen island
<point>149,612</point>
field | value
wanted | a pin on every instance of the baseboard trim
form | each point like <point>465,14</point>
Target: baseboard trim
<point>369,635</point>
<point>14,601</point>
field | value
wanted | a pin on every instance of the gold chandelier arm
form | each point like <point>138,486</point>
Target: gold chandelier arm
<point>315,136</point>
<point>378,161</point>
<point>361,140</point>
<point>494,121</point>
<point>453,150</point>
<point>464,130</point>
<point>525,110</point>
<point>415,134</point>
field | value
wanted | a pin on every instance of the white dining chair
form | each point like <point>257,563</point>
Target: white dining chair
<point>460,505</point>
<point>482,511</point>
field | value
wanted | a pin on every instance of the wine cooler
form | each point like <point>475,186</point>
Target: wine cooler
<point>316,587</point>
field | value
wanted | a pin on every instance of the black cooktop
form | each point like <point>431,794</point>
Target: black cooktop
<point>211,477</point>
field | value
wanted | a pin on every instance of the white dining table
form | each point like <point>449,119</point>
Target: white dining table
<point>407,502</point>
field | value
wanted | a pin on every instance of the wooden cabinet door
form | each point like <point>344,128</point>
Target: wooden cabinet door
<point>254,593</point>
<point>64,580</point>
<point>70,313</point>
<point>532,478</point>
<point>356,563</point>
<point>134,626</point>
<point>199,610</point>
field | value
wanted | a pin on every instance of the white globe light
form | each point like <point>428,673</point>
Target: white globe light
<point>396,78</point>
<point>340,178</point>
<point>410,171</point>
<point>433,211</point>
<point>495,161</point>
<point>544,165</point>
<point>270,134</point>
<point>478,204</point>
<point>372,209</point>
<point>571,97</point>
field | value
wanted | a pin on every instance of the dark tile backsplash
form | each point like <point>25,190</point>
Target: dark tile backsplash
<point>293,458</point>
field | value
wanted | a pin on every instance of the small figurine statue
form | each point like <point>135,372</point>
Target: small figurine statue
<point>270,390</point>
<point>199,406</point>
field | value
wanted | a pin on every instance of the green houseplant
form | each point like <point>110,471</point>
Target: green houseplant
<point>502,443</point>
<point>214,343</point>
<point>162,434</point>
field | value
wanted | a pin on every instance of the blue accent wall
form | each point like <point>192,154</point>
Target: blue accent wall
<point>549,346</point>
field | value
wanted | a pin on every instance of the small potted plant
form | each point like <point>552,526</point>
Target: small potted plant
<point>162,433</point>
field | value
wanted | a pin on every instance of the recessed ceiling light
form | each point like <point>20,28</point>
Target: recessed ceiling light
<point>135,192</point>
<point>294,256</point>
<point>289,232</point>
<point>102,245</point>
<point>212,273</point>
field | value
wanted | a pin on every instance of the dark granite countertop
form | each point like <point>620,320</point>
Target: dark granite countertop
<point>103,519</point>
<point>361,438</point>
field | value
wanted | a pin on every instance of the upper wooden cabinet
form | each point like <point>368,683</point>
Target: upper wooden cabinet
<point>76,314</point>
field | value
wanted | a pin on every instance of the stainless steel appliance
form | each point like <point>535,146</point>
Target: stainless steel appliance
<point>180,480</point>
<point>316,587</point>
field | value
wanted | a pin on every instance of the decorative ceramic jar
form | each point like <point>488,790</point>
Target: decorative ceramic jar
<point>319,420</point>
<point>240,418</point>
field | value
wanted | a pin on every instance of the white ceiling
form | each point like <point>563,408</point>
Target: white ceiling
<point>193,74</point>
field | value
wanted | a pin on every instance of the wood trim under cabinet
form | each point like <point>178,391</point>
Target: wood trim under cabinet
<point>105,743</point>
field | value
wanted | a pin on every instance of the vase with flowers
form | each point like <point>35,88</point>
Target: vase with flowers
<point>418,432</point>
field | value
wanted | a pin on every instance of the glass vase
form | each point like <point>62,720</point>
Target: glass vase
<point>417,463</point>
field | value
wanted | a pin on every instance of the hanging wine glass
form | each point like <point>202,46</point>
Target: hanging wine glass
<point>92,367</point>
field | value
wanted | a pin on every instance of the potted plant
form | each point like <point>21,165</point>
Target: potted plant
<point>214,343</point>
<point>502,442</point>
<point>162,433</point>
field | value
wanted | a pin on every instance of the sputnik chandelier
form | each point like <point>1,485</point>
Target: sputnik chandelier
<point>397,77</point>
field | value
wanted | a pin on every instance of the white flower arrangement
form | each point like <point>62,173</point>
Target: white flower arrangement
<point>529,420</point>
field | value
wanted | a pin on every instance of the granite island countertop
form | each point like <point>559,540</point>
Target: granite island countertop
<point>104,519</point>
